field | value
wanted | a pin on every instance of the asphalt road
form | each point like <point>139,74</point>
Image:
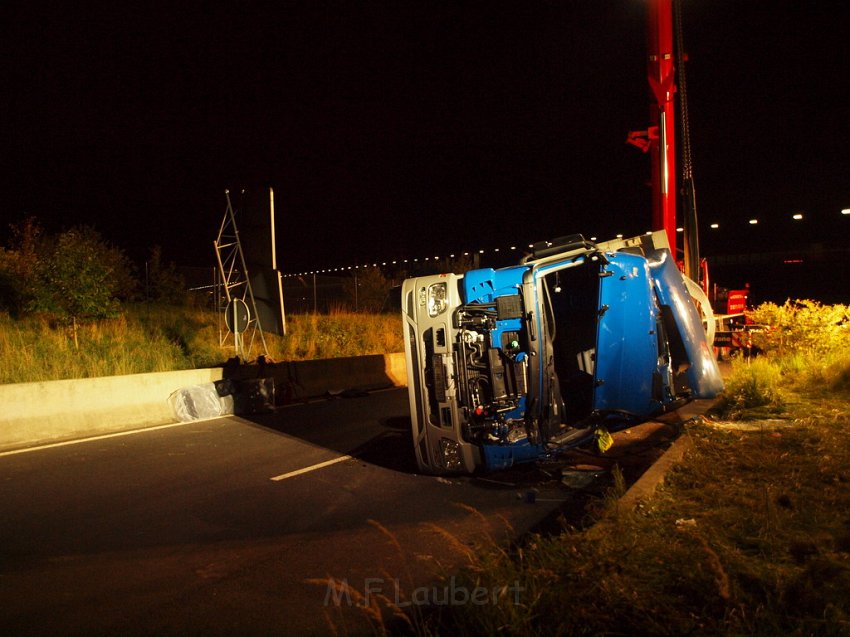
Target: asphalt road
<point>235,526</point>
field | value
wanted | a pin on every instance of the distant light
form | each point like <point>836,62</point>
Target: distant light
<point>846,211</point>
<point>797,216</point>
<point>593,238</point>
<point>753,222</point>
<point>619,236</point>
<point>451,256</point>
<point>680,229</point>
<point>513,247</point>
<point>496,250</point>
<point>648,232</point>
<point>715,226</point>
<point>481,252</point>
<point>792,261</point>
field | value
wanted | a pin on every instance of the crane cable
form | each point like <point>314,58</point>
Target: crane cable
<point>692,257</point>
<point>687,162</point>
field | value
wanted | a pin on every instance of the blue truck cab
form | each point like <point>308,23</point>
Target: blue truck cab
<point>513,365</point>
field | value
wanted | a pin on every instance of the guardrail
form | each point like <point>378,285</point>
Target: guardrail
<point>51,411</point>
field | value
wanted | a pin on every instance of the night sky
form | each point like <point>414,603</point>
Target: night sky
<point>408,129</point>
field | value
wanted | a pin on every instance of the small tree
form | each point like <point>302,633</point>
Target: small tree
<point>164,283</point>
<point>9,296</point>
<point>125,282</point>
<point>367,290</point>
<point>79,277</point>
<point>19,266</point>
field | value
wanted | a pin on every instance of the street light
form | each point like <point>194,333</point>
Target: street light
<point>846,211</point>
<point>753,222</point>
<point>797,216</point>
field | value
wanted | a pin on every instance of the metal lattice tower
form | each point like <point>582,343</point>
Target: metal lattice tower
<point>235,284</point>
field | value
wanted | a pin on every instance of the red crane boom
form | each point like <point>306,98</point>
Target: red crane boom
<point>661,75</point>
<point>659,139</point>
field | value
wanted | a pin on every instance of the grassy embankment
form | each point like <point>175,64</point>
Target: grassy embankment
<point>153,339</point>
<point>749,535</point>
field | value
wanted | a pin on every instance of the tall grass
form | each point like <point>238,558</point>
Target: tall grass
<point>339,333</point>
<point>753,388</point>
<point>34,350</point>
<point>149,338</point>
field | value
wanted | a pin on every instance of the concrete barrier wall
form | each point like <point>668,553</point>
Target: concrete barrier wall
<point>37,413</point>
<point>314,378</point>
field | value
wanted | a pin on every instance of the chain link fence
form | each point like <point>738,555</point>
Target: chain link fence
<point>309,293</point>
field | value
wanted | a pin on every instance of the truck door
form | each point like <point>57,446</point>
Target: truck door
<point>626,370</point>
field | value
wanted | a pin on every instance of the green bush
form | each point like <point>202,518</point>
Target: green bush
<point>754,382</point>
<point>367,290</point>
<point>164,284</point>
<point>801,327</point>
<point>19,267</point>
<point>807,341</point>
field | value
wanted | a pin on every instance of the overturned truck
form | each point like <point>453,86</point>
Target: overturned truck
<point>520,363</point>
